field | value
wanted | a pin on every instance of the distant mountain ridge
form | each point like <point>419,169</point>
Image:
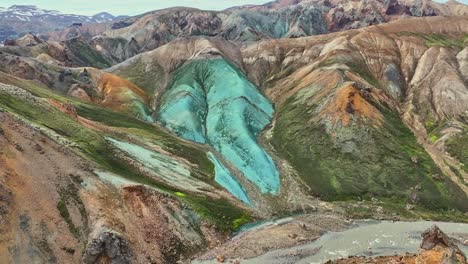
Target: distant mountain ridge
<point>273,20</point>
<point>18,20</point>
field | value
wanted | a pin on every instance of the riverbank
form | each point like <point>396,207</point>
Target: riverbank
<point>322,238</point>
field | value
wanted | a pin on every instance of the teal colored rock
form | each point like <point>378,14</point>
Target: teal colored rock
<point>185,112</point>
<point>166,168</point>
<point>212,102</point>
<point>225,179</point>
<point>295,21</point>
<point>152,160</point>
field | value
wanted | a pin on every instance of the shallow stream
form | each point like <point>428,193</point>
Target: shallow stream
<point>364,238</point>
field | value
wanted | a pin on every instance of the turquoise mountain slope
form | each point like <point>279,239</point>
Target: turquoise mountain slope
<point>212,102</point>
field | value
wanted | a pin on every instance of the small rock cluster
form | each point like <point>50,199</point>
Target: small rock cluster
<point>108,245</point>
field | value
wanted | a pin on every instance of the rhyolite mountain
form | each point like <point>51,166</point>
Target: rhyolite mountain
<point>279,19</point>
<point>164,155</point>
<point>18,20</point>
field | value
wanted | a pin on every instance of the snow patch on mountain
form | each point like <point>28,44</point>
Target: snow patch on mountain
<point>31,13</point>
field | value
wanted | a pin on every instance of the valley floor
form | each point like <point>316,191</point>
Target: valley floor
<point>322,238</point>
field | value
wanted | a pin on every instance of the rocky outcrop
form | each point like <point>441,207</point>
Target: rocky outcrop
<point>439,248</point>
<point>26,41</point>
<point>434,237</point>
<point>108,246</point>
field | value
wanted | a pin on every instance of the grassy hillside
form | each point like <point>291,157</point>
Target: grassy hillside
<point>361,149</point>
<point>93,145</point>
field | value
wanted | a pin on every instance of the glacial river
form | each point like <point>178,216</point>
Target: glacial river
<point>366,237</point>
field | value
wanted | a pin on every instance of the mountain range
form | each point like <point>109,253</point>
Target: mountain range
<point>280,19</point>
<point>18,20</point>
<point>159,137</point>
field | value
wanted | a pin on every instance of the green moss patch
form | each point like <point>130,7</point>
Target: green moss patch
<point>395,209</point>
<point>87,55</point>
<point>457,146</point>
<point>387,161</point>
<point>440,40</point>
<point>220,212</point>
<point>144,76</point>
<point>69,195</point>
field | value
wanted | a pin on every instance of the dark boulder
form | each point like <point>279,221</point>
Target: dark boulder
<point>109,246</point>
